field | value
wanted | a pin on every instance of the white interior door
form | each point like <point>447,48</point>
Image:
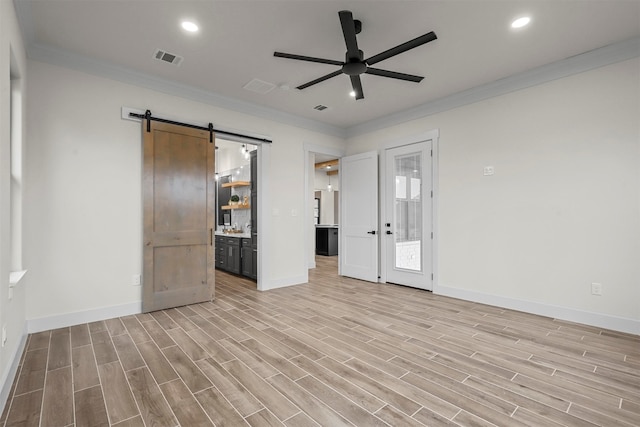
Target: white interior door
<point>359,216</point>
<point>408,215</point>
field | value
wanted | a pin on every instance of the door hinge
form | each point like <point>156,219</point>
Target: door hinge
<point>432,194</point>
<point>431,153</point>
<point>431,276</point>
<point>432,235</point>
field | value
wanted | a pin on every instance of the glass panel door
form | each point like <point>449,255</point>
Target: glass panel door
<point>408,224</point>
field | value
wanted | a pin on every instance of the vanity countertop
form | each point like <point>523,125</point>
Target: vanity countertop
<point>236,235</point>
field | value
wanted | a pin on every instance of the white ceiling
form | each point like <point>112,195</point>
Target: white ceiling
<point>236,41</point>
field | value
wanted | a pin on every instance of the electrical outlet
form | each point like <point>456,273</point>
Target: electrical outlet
<point>596,289</point>
<point>135,281</point>
<point>488,170</point>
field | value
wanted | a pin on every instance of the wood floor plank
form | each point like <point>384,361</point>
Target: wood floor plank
<point>219,409</point>
<point>274,359</point>
<point>212,347</point>
<point>266,395</point>
<point>115,327</point>
<point>257,364</point>
<point>131,422</point>
<point>263,418</point>
<point>357,394</point>
<point>59,349</point>
<point>39,340</point>
<point>117,394</point>
<point>184,405</point>
<point>311,406</point>
<point>241,399</point>
<point>80,335</point>
<point>103,348</point>
<point>188,371</point>
<point>57,405</point>
<point>85,369</point>
<point>396,418</point>
<point>135,329</point>
<point>187,344</point>
<point>33,371</point>
<point>339,403</point>
<point>381,391</point>
<point>127,351</point>
<point>158,334</point>
<point>25,410</point>
<point>158,364</point>
<point>153,407</point>
<point>90,409</point>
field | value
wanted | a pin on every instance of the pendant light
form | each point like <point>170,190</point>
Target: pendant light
<point>329,189</point>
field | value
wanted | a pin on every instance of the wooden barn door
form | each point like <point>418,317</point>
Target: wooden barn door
<point>178,216</point>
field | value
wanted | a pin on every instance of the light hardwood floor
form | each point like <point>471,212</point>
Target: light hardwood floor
<point>334,352</point>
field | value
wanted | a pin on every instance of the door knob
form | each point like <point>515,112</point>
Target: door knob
<point>371,232</point>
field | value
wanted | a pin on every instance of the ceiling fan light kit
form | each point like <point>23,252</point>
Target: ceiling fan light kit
<point>354,64</point>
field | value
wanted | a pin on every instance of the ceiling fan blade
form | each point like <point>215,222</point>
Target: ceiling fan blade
<point>418,41</point>
<point>394,75</point>
<point>321,79</point>
<point>357,86</point>
<point>349,32</point>
<point>307,58</point>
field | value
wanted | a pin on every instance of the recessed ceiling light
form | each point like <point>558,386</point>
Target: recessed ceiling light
<point>352,94</point>
<point>189,26</point>
<point>520,22</point>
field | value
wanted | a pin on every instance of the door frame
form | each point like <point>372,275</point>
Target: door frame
<point>432,135</point>
<point>309,172</point>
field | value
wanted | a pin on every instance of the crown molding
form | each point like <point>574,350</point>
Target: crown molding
<point>586,61</point>
<point>66,59</point>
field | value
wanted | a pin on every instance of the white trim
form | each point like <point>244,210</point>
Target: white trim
<point>286,281</point>
<point>15,277</point>
<point>10,374</point>
<point>80,317</point>
<point>264,225</point>
<point>586,61</point>
<point>631,326</point>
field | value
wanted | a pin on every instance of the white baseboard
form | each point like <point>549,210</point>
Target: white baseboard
<point>10,374</point>
<point>77,318</point>
<point>286,281</point>
<point>606,321</point>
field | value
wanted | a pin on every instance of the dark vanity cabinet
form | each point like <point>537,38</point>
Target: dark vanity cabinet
<point>249,259</point>
<point>228,256</point>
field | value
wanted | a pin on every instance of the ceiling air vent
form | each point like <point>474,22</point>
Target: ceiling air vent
<point>162,55</point>
<point>259,86</point>
<point>320,107</point>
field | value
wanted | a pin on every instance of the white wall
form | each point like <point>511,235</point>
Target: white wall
<point>84,222</point>
<point>563,208</point>
<point>12,312</point>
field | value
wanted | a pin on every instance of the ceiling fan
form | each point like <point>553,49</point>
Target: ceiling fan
<point>354,64</point>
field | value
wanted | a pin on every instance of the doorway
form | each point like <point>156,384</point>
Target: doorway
<point>322,203</point>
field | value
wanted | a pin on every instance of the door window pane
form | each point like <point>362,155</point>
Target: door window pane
<point>408,212</point>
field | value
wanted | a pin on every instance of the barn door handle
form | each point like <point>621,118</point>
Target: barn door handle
<point>371,232</point>
<point>211,235</point>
